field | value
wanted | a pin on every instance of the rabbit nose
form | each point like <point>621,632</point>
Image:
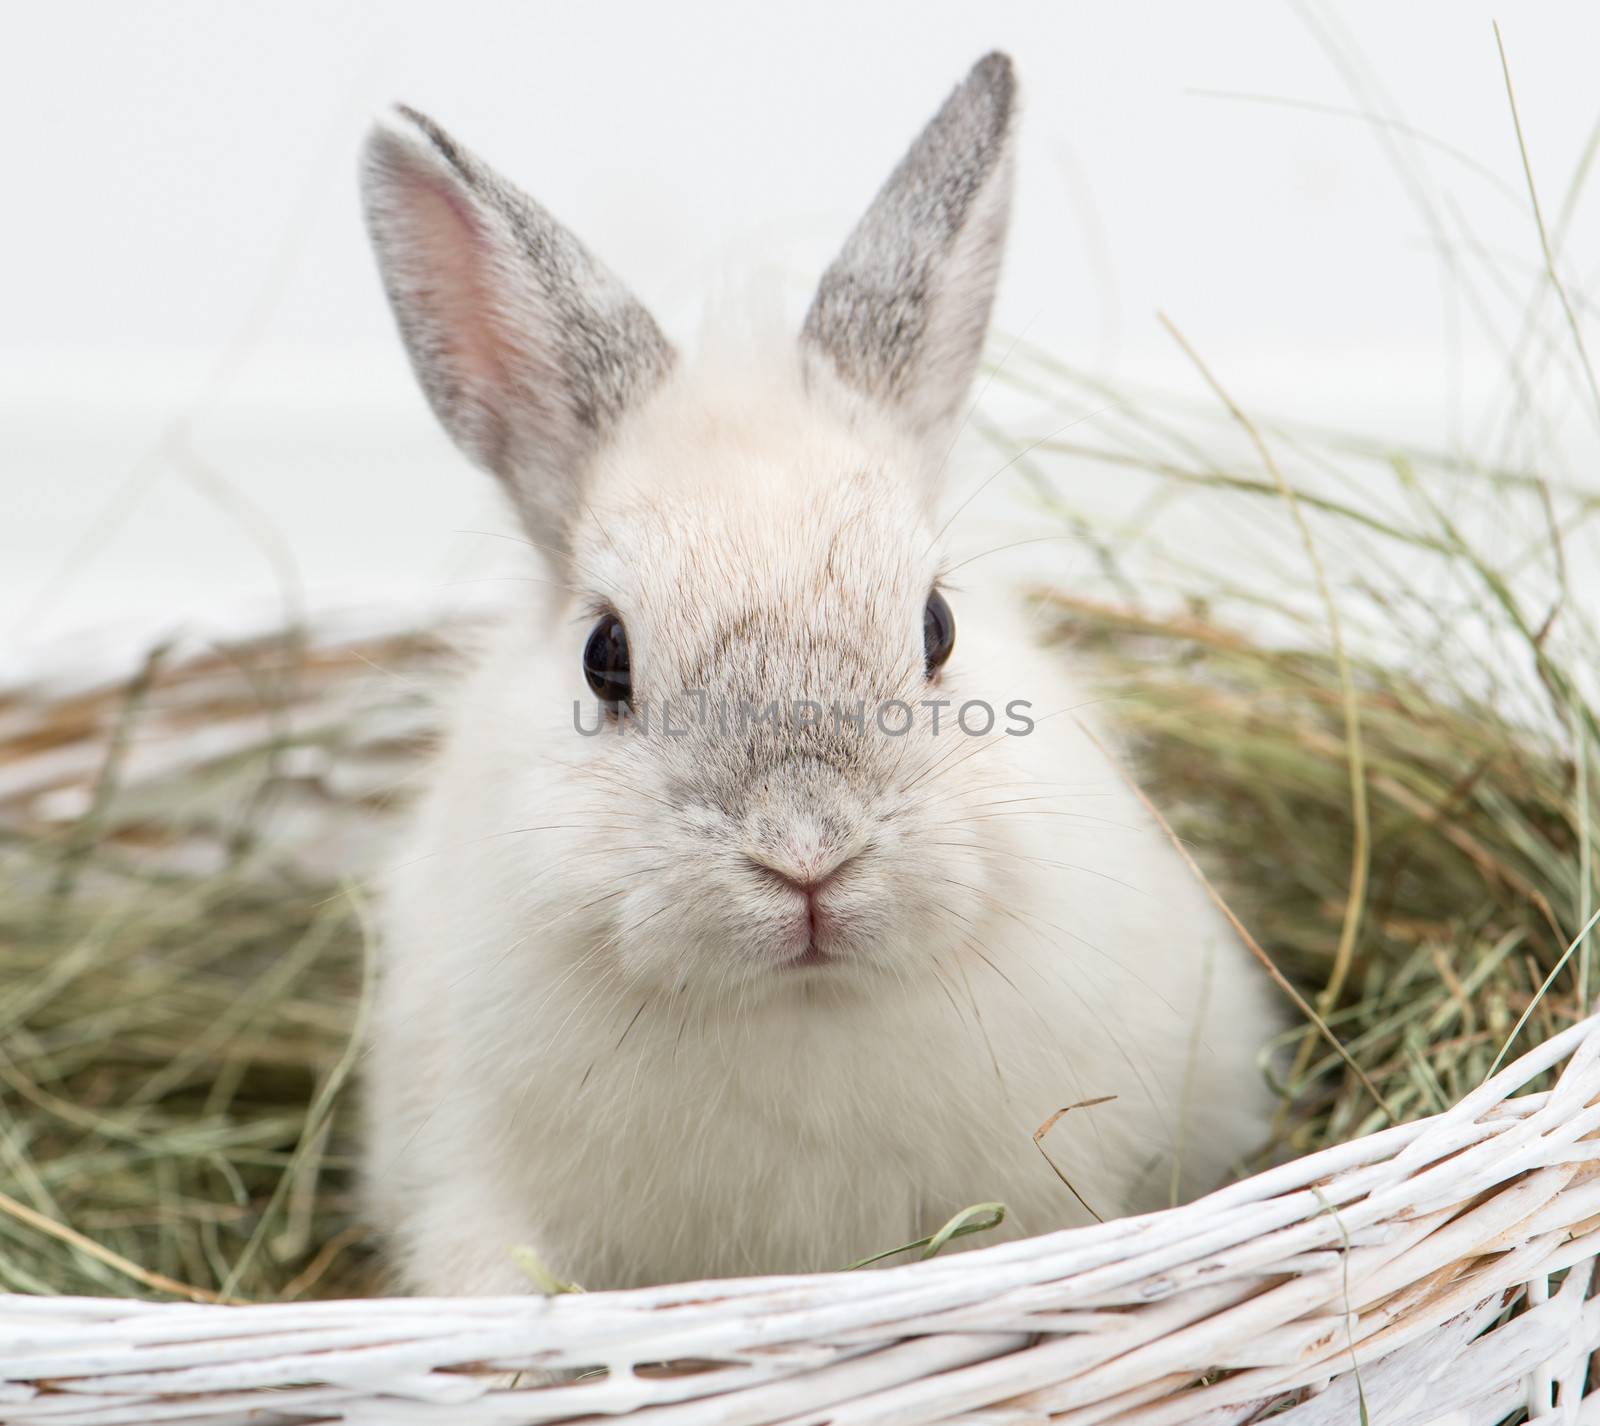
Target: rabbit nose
<point>807,874</point>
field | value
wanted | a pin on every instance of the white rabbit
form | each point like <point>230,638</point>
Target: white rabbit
<point>741,994</point>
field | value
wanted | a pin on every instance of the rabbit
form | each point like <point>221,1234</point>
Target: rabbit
<point>696,963</point>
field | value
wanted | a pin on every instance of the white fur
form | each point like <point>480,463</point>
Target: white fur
<point>1043,944</point>
<point>588,1040</point>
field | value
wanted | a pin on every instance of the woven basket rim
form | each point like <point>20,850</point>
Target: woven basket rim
<point>1507,1185</point>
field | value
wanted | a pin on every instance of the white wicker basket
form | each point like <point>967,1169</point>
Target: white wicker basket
<point>1383,1269</point>
<point>1440,1272</point>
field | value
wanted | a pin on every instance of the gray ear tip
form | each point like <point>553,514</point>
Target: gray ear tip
<point>391,132</point>
<point>995,76</point>
<point>405,140</point>
<point>401,124</point>
<point>982,107</point>
<point>414,121</point>
<point>995,71</point>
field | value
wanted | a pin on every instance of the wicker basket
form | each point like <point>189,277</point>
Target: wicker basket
<point>1441,1272</point>
<point>1381,1269</point>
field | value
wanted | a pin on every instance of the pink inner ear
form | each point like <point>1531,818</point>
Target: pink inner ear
<point>451,269</point>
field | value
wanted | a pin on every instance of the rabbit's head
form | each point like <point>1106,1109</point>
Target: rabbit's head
<point>750,565</point>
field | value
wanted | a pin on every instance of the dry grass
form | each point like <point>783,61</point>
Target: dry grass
<point>181,977</point>
<point>1383,750</point>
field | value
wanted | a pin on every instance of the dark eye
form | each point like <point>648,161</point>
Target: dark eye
<point>938,632</point>
<point>605,661</point>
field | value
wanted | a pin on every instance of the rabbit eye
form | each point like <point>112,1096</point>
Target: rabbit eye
<point>938,632</point>
<point>605,661</point>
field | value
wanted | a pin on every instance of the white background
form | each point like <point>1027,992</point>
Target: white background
<point>200,390</point>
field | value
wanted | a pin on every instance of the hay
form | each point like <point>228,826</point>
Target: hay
<point>182,853</point>
<point>180,973</point>
<point>1385,753</point>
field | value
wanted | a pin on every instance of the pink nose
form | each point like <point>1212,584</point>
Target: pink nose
<point>810,884</point>
<point>808,878</point>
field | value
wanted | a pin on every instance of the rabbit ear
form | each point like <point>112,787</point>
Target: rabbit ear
<point>527,348</point>
<point>901,315</point>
